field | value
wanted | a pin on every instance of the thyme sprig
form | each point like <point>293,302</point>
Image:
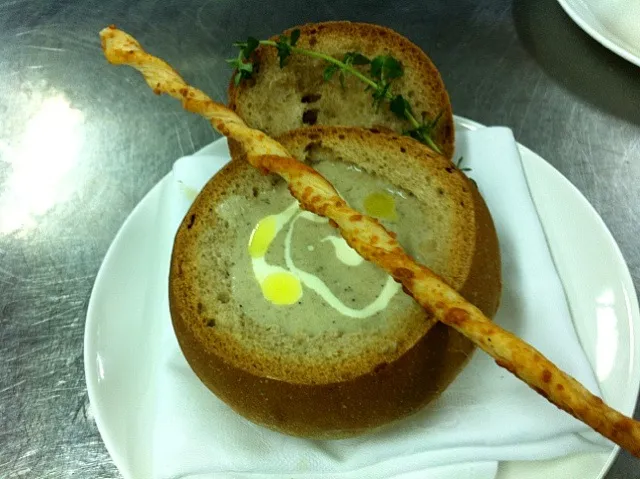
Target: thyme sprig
<point>383,69</point>
<point>459,165</point>
<point>242,63</point>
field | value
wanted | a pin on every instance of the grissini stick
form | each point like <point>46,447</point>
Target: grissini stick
<point>374,243</point>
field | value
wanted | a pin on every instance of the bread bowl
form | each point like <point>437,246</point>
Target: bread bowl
<point>342,376</point>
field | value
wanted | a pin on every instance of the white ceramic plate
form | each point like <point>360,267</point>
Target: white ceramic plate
<point>120,339</point>
<point>613,23</point>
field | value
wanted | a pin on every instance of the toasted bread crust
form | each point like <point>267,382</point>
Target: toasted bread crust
<point>421,83</point>
<point>335,410</point>
<point>385,390</point>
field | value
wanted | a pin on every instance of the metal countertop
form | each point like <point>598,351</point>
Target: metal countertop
<point>82,142</point>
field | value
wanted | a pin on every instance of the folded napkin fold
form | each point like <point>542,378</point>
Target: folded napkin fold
<point>485,416</point>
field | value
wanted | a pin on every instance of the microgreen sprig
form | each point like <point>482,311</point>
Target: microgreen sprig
<point>459,164</point>
<point>383,69</point>
<point>244,69</point>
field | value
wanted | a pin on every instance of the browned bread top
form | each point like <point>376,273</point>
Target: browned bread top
<point>277,99</point>
<point>201,284</point>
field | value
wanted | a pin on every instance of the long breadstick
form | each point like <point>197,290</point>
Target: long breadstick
<point>375,244</point>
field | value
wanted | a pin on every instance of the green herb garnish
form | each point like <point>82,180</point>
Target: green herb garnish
<point>244,68</point>
<point>459,164</point>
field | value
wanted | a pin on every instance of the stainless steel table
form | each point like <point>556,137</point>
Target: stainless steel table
<point>82,142</point>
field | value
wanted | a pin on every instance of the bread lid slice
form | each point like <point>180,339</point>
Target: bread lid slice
<point>278,99</point>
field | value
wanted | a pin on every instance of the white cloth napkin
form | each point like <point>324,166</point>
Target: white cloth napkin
<point>485,416</point>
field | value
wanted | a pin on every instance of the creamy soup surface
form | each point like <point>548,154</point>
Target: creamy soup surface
<point>292,270</point>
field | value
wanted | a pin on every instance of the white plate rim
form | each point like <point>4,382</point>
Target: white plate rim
<point>634,308</point>
<point>93,317</point>
<point>600,34</point>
